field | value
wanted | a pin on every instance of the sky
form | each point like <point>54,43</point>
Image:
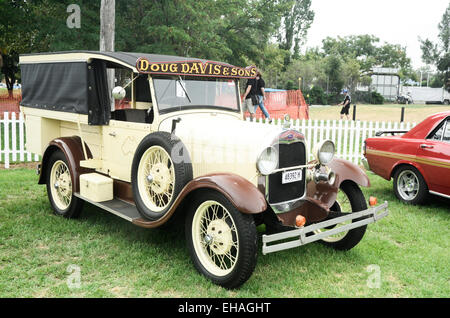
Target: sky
<point>393,21</point>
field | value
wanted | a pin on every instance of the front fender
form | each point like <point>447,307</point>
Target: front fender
<point>244,195</point>
<point>345,171</point>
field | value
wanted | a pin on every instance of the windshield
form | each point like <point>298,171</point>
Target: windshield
<point>180,93</point>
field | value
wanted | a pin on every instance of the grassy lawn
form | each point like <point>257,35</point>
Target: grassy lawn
<point>117,259</point>
<point>388,112</point>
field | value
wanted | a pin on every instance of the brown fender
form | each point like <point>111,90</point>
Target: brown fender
<point>344,170</point>
<point>244,195</point>
<point>321,196</point>
<point>73,150</point>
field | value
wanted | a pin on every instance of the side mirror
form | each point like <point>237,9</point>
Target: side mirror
<point>119,92</point>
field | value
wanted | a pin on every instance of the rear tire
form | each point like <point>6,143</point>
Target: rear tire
<point>222,241</point>
<point>60,189</point>
<point>410,186</point>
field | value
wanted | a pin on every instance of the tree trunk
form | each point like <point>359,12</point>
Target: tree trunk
<point>107,37</point>
<point>107,25</point>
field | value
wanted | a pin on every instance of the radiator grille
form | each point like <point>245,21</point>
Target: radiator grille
<point>291,155</point>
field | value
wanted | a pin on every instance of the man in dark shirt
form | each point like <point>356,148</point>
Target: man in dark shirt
<point>346,105</point>
<point>250,98</point>
<point>260,87</point>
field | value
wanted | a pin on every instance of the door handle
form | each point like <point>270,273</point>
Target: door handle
<point>424,146</point>
<point>112,134</point>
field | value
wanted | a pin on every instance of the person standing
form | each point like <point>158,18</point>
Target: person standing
<point>345,111</point>
<point>250,98</point>
<point>260,91</point>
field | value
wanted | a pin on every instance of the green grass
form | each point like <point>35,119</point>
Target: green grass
<point>118,259</point>
<point>387,112</point>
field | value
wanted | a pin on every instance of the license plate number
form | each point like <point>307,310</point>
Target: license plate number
<point>291,176</point>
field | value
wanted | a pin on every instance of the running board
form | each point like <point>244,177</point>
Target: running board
<point>117,207</point>
<point>274,243</point>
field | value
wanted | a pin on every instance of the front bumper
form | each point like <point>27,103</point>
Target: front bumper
<point>365,163</point>
<point>300,237</point>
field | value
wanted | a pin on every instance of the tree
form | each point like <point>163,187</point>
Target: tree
<point>16,32</point>
<point>295,23</point>
<point>39,26</point>
<point>333,70</point>
<point>438,54</point>
<point>311,72</point>
<point>365,51</point>
<point>233,31</point>
<point>272,65</point>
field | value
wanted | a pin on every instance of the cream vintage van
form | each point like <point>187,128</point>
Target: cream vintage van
<point>181,148</point>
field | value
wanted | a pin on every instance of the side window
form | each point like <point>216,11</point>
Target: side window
<point>438,132</point>
<point>122,77</point>
<point>446,137</point>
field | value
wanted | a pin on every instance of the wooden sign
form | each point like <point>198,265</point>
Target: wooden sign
<point>195,68</point>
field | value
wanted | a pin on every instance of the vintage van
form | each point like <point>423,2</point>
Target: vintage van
<point>150,137</point>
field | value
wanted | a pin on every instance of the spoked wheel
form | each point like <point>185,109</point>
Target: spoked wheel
<point>157,178</point>
<point>59,187</point>
<point>222,241</point>
<point>409,185</point>
<point>349,199</point>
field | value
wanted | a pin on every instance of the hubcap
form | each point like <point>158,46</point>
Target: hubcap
<point>408,185</point>
<point>221,236</point>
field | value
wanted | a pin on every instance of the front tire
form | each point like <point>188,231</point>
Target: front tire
<point>59,187</point>
<point>349,198</point>
<point>221,240</point>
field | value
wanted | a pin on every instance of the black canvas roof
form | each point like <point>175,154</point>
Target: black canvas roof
<point>129,58</point>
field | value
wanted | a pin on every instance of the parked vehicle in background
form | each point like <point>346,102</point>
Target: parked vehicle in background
<point>418,160</point>
<point>183,148</point>
<point>425,95</point>
<point>405,99</point>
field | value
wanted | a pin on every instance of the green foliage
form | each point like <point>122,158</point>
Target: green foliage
<point>236,31</point>
<point>333,70</point>
<point>297,17</point>
<point>290,85</point>
<point>316,96</point>
<point>438,54</point>
<point>376,98</point>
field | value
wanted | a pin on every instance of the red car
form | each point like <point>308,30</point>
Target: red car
<point>418,160</point>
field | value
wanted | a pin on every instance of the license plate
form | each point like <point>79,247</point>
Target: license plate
<point>291,176</point>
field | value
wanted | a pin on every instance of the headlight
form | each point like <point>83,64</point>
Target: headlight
<point>324,152</point>
<point>268,161</point>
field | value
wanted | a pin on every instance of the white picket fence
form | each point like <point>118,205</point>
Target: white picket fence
<point>348,136</point>
<point>12,140</point>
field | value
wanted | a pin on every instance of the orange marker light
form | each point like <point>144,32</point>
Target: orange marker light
<point>300,220</point>
<point>372,201</point>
